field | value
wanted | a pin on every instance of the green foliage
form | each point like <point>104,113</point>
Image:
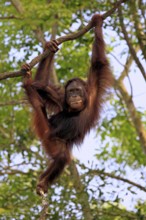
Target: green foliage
<point>71,59</point>
<point>124,144</point>
<point>21,156</point>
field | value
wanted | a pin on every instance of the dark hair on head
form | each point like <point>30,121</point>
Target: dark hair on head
<point>76,80</point>
<point>85,87</point>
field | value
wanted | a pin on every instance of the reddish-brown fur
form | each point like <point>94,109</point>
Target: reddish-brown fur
<point>59,132</point>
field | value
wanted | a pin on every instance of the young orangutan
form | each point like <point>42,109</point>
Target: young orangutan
<point>75,111</point>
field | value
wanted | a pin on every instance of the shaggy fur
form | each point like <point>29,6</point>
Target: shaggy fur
<point>60,131</point>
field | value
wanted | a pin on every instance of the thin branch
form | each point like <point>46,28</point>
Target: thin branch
<point>40,36</point>
<point>9,17</point>
<point>60,40</point>
<point>102,173</point>
<point>17,4</point>
<point>114,56</point>
<point>3,133</point>
<point>82,195</point>
<point>13,102</point>
<point>141,5</point>
<point>126,68</point>
<point>38,32</point>
<point>131,48</point>
<point>45,207</point>
<point>126,71</point>
<point>138,30</point>
<point>136,119</point>
<point>13,172</point>
<point>116,6</point>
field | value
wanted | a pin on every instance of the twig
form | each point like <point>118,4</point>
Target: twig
<point>126,71</point>
<point>61,40</point>
<point>102,173</point>
<point>9,17</point>
<point>111,11</point>
<point>45,205</point>
<point>13,102</point>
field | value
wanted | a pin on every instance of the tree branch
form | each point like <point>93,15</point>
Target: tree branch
<point>60,40</point>
<point>131,48</point>
<point>17,4</point>
<point>82,195</point>
<point>133,113</point>
<point>112,10</point>
<point>10,75</point>
<point>126,68</point>
<point>13,102</point>
<point>9,17</point>
<point>12,172</point>
<point>135,117</point>
<point>38,32</point>
<point>138,29</point>
<point>102,173</point>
